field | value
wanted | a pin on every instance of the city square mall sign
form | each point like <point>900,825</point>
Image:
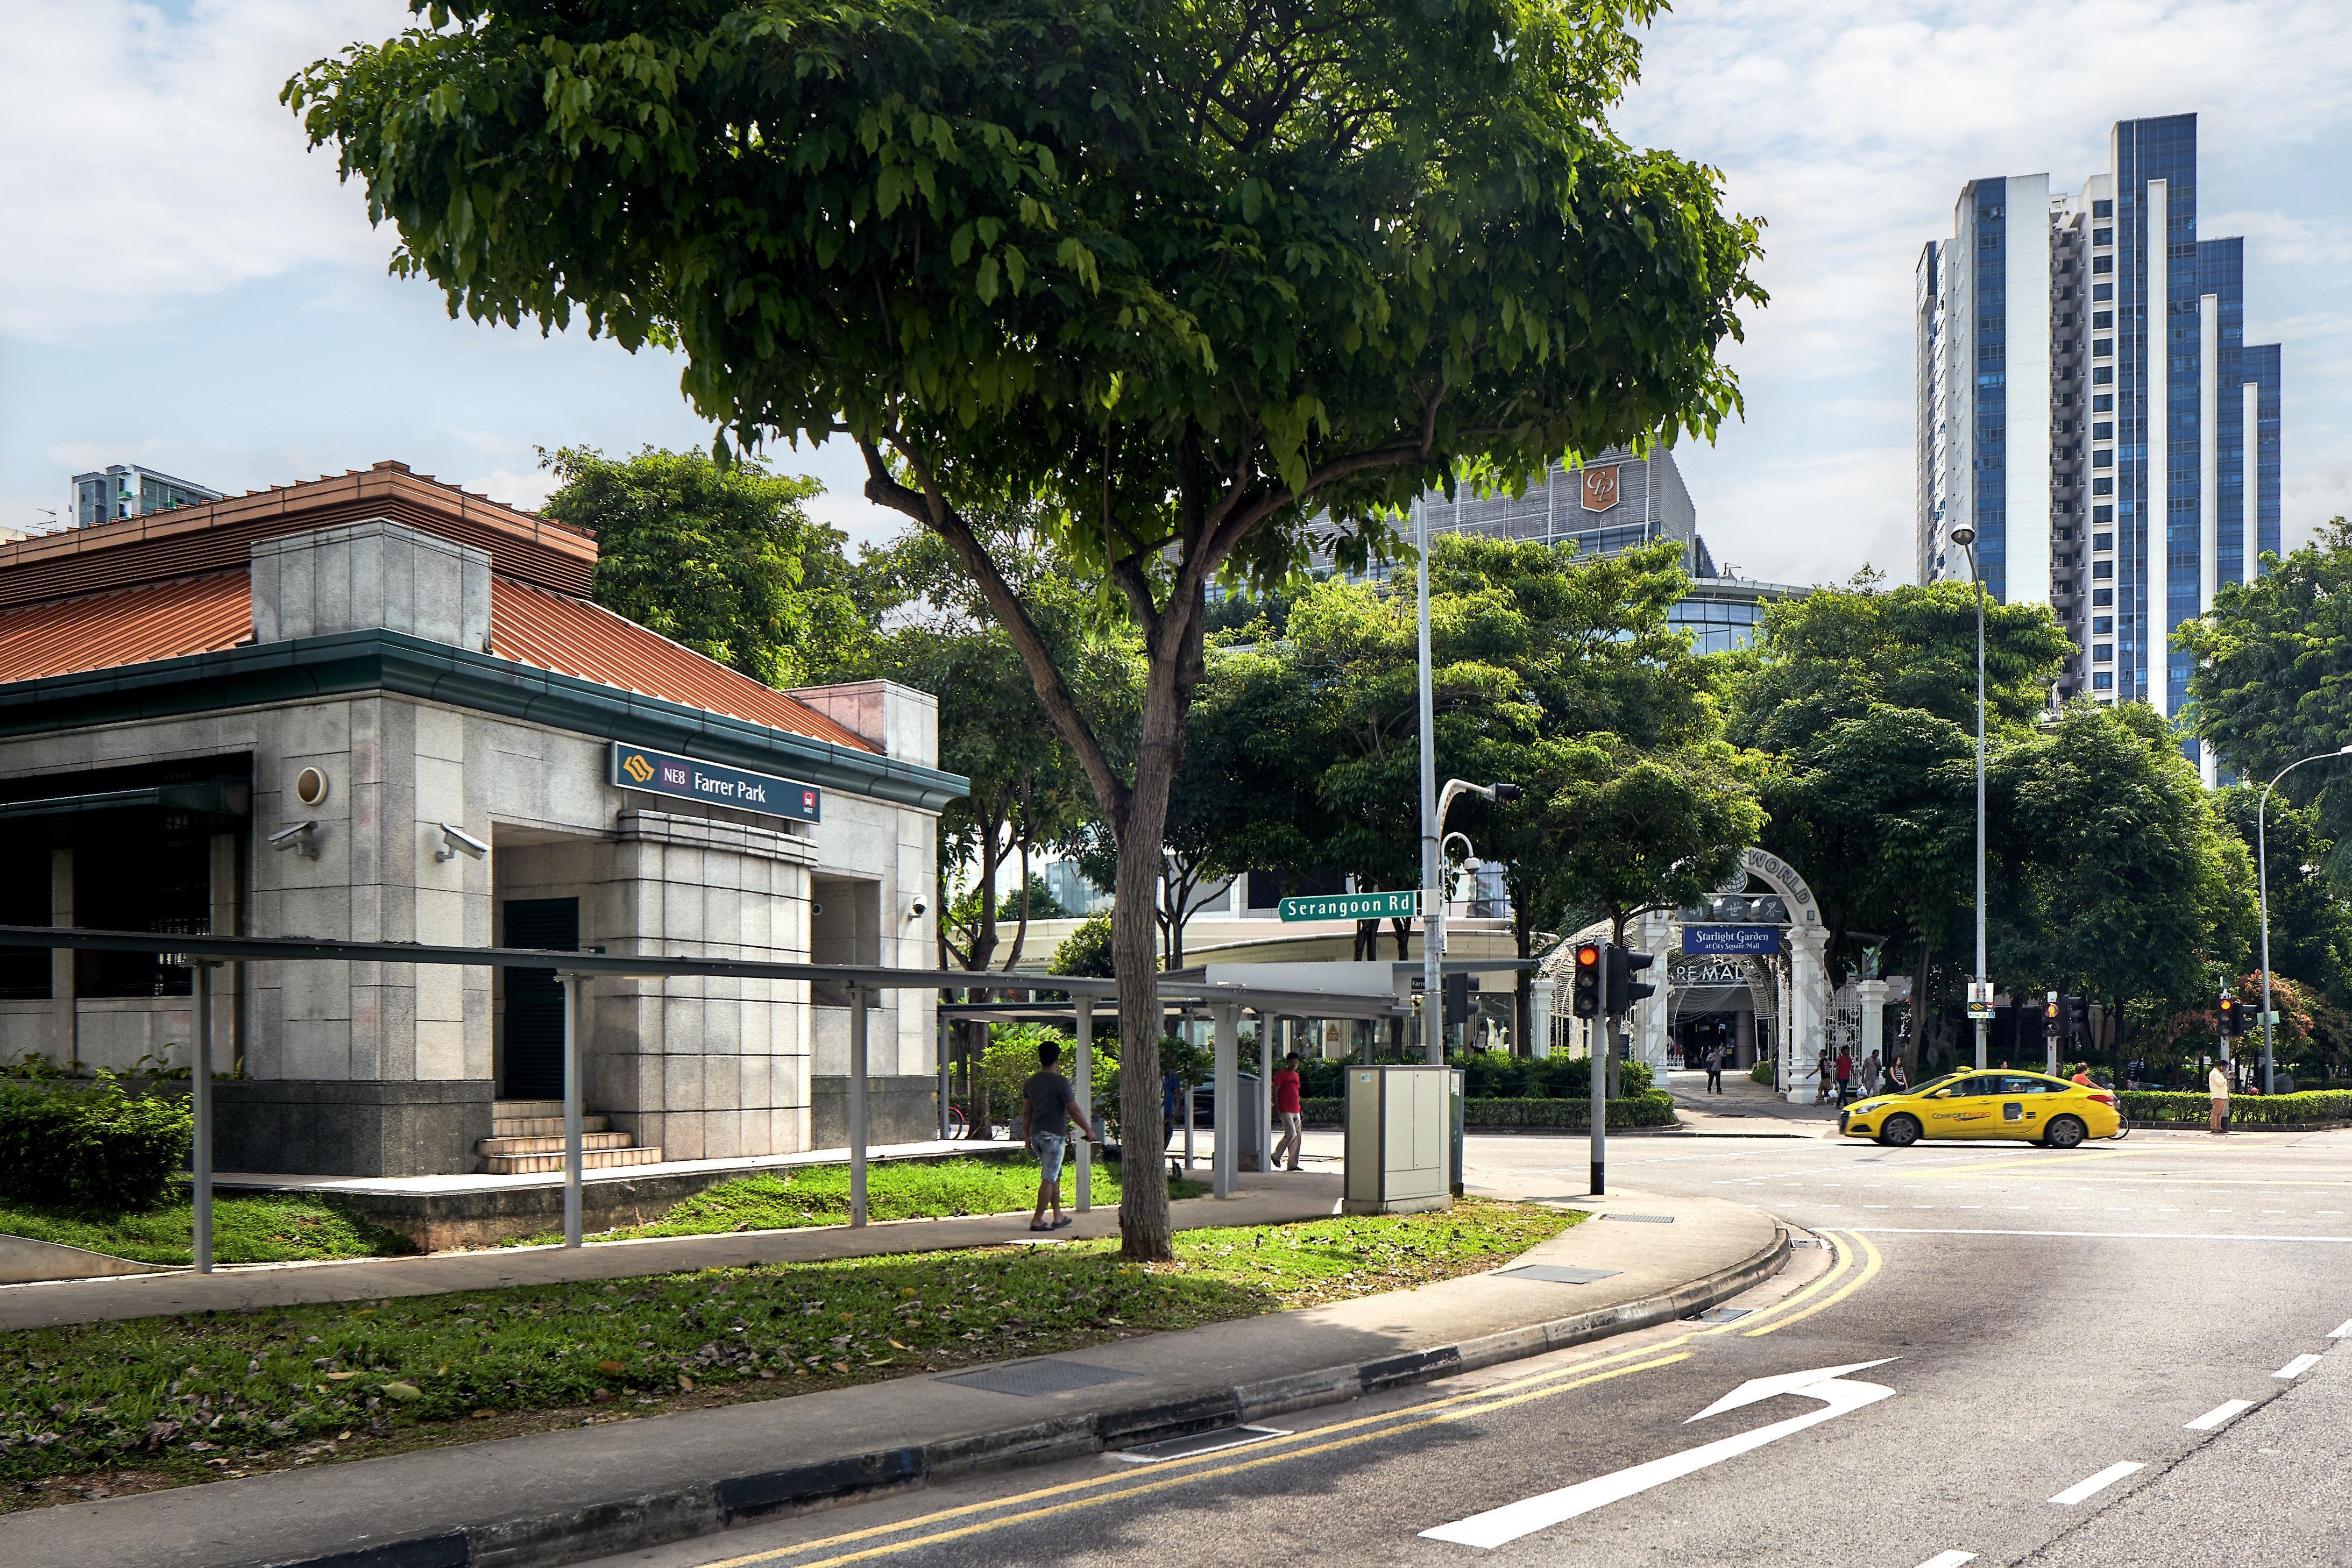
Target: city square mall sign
<point>712,783</point>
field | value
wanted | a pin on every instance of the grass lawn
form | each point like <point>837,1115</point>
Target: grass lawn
<point>245,1229</point>
<point>895,1189</point>
<point>94,1408</point>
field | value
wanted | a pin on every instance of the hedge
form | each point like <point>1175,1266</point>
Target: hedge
<point>2156,1108</point>
<point>91,1147</point>
<point>1652,1108</point>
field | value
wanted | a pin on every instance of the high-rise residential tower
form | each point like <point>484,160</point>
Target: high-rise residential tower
<point>2086,398</point>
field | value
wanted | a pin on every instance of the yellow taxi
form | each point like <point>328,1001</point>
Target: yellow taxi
<point>2029,1107</point>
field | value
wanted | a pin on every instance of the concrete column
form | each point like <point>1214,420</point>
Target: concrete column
<point>1540,995</point>
<point>65,1035</point>
<point>1266,1026</point>
<point>1743,1038</point>
<point>1652,1036</point>
<point>1808,1006</point>
<point>1224,1074</point>
<point>1873,994</point>
<point>1082,1067</point>
<point>228,980</point>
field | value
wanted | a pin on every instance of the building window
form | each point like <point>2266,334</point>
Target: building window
<point>2103,458</point>
<point>2103,236</point>
<point>2102,514</point>
<point>2102,291</point>
<point>2103,625</point>
<point>2103,403</point>
<point>2100,264</point>
<point>2103,652</point>
<point>2101,321</point>
<point>2102,486</point>
<point>2103,542</point>
<point>2102,570</point>
<point>2103,680</point>
<point>2103,375</point>
<point>2102,430</point>
<point>2102,348</point>
<point>2102,209</point>
<point>24,901</point>
<point>2102,598</point>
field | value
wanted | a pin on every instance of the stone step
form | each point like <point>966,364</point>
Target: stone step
<point>603,1159</point>
<point>508,1110</point>
<point>551,1142</point>
<point>540,1127</point>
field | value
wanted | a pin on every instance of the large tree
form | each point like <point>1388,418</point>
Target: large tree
<point>722,560</point>
<point>1186,270</point>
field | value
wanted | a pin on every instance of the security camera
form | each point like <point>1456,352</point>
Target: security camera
<point>1506,793</point>
<point>302,838</point>
<point>915,910</point>
<point>455,842</point>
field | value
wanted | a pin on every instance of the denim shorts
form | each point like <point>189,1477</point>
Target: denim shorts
<point>1049,1147</point>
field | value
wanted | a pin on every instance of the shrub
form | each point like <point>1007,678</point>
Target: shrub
<point>2156,1108</point>
<point>1651,1108</point>
<point>94,1147</point>
<point>1763,1072</point>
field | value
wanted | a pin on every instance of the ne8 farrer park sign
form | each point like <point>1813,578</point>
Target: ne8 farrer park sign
<point>712,783</point>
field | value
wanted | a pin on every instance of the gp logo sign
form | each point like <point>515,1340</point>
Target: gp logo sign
<point>714,783</point>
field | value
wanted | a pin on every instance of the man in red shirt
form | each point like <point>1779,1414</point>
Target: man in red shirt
<point>1288,1111</point>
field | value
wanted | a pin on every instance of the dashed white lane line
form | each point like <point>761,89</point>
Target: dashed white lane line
<point>2296,1368</point>
<point>1948,1560</point>
<point>2091,1486</point>
<point>2342,1330</point>
<point>2225,1411</point>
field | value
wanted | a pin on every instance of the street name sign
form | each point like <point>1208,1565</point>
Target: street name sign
<point>713,783</point>
<point>1731,939</point>
<point>1352,907</point>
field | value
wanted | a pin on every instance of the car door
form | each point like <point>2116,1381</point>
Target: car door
<point>2025,1106</point>
<point>1966,1108</point>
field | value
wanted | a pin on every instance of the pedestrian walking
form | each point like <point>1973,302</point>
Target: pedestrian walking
<point>1172,1106</point>
<point>1714,1068</point>
<point>2217,1084</point>
<point>1870,1074</point>
<point>1048,1107</point>
<point>1823,1078</point>
<point>1289,1111</point>
<point>1844,1077</point>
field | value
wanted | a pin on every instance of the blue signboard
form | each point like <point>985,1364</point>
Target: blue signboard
<point>1731,939</point>
<point>712,783</point>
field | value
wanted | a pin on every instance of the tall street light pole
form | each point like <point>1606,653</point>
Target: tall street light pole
<point>1966,538</point>
<point>2262,886</point>
<point>1433,915</point>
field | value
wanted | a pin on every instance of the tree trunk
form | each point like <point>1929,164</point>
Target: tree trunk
<point>1144,1232</point>
<point>1021,932</point>
<point>1919,1015</point>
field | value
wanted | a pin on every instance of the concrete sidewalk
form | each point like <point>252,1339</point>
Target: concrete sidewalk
<point>582,1492</point>
<point>1274,1198</point>
<point>1746,1109</point>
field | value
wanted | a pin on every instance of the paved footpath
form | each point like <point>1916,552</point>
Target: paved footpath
<point>566,1496</point>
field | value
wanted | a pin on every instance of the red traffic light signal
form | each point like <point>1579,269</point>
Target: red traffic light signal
<point>1584,993</point>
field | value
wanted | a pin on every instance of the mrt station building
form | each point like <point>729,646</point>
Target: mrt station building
<point>377,708</point>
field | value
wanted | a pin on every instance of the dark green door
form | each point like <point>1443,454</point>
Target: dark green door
<point>534,1042</point>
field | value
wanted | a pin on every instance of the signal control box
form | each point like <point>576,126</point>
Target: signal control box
<point>1400,1139</point>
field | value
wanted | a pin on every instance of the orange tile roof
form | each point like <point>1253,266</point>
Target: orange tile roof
<point>574,637</point>
<point>529,625</point>
<point>127,626</point>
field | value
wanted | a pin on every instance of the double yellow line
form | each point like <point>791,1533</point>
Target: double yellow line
<point>1046,1503</point>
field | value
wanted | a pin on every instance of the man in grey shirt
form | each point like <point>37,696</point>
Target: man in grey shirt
<point>1048,1107</point>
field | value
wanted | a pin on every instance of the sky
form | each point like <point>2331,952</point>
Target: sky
<point>183,285</point>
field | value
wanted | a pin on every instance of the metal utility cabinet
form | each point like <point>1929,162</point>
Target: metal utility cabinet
<point>1399,1138</point>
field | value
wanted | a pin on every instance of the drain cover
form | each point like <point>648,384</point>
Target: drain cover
<point>1029,1379</point>
<point>1642,1218</point>
<point>1199,1443</point>
<point>1721,1314</point>
<point>1556,1273</point>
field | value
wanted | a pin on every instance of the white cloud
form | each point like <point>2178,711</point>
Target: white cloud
<point>145,162</point>
<point>528,490</point>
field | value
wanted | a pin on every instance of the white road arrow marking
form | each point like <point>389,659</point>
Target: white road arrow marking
<point>1500,1526</point>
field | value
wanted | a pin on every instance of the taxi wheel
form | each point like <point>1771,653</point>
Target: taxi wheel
<point>2065,1133</point>
<point>1900,1132</point>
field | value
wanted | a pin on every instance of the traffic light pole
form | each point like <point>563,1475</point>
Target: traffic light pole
<point>1596,1036</point>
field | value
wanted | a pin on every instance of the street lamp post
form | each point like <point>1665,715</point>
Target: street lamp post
<point>1432,923</point>
<point>2262,887</point>
<point>1966,538</point>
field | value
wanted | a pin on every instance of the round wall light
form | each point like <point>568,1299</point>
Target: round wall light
<point>310,786</point>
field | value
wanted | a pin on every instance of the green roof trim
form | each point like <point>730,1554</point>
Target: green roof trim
<point>346,662</point>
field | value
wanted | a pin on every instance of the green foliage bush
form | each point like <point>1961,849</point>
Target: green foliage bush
<point>94,1147</point>
<point>1499,1075</point>
<point>2150,1107</point>
<point>1762,1072</point>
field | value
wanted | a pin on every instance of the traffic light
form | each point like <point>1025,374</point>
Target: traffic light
<point>1624,990</point>
<point>1584,991</point>
<point>2054,1017</point>
<point>1457,991</point>
<point>2233,1016</point>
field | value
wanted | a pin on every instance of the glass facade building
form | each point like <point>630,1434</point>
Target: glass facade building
<point>126,490</point>
<point>2086,397</point>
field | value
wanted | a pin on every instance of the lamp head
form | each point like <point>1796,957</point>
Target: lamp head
<point>1963,535</point>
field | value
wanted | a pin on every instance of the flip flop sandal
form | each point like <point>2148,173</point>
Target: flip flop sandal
<point>1064,1221</point>
<point>1041,1228</point>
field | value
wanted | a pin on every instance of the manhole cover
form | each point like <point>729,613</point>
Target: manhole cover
<point>1556,1273</point>
<point>1642,1218</point>
<point>1720,1314</point>
<point>1028,1378</point>
<point>1199,1443</point>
